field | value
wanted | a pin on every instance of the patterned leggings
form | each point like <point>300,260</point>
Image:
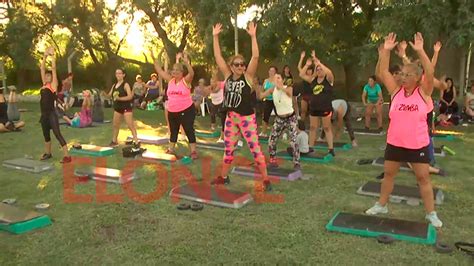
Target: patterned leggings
<point>280,124</point>
<point>247,125</point>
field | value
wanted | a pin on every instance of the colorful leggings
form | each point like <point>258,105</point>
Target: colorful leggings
<point>247,125</point>
<point>279,125</point>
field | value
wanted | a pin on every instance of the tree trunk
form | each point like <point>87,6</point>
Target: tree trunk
<point>21,76</point>
<point>350,72</point>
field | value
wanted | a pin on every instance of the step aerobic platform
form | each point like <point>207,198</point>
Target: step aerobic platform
<point>92,150</point>
<point>399,193</point>
<point>218,196</point>
<point>374,226</point>
<point>109,175</point>
<point>310,157</point>
<point>29,165</point>
<point>338,146</point>
<point>18,221</point>
<point>280,173</point>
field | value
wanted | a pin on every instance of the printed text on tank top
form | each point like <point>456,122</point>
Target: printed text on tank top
<point>234,90</point>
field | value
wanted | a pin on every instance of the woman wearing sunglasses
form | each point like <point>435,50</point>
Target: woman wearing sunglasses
<point>241,118</point>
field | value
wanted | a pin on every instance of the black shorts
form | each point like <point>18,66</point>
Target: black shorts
<point>320,113</point>
<point>399,154</point>
<point>151,97</point>
<point>123,110</point>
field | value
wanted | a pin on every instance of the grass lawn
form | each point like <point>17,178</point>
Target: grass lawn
<point>292,232</point>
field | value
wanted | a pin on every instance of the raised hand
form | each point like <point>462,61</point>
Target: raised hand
<point>315,59</point>
<point>309,61</point>
<point>178,56</point>
<point>390,41</point>
<point>303,54</point>
<point>252,29</point>
<point>216,29</point>
<point>185,57</point>
<point>437,46</point>
<point>401,48</point>
<point>417,43</point>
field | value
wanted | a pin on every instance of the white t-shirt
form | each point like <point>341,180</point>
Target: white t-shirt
<point>303,142</point>
<point>283,103</point>
<point>336,104</point>
<point>218,97</point>
<point>470,100</point>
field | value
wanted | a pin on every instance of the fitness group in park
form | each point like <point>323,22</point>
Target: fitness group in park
<point>233,101</point>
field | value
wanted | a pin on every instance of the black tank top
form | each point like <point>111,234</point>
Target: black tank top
<point>448,95</point>
<point>321,95</point>
<point>237,96</point>
<point>120,92</point>
<point>47,101</point>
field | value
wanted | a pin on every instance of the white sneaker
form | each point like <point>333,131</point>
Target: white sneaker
<point>285,136</point>
<point>240,143</point>
<point>220,141</point>
<point>434,220</point>
<point>377,209</point>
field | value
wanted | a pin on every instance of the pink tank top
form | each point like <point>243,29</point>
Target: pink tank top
<point>85,117</point>
<point>179,96</point>
<point>408,121</point>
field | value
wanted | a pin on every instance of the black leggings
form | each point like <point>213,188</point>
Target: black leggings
<point>268,107</point>
<point>217,110</point>
<point>51,122</point>
<point>184,118</point>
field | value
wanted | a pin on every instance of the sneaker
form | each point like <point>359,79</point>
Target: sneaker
<point>331,151</point>
<point>46,156</point>
<point>66,159</point>
<point>266,186</point>
<point>367,128</point>
<point>240,143</point>
<point>442,172</point>
<point>273,163</point>
<point>377,209</point>
<point>194,155</point>
<point>380,177</point>
<point>221,181</point>
<point>263,135</point>
<point>434,220</point>
<point>354,144</point>
<point>220,140</point>
<point>380,129</point>
<point>113,144</point>
<point>297,167</point>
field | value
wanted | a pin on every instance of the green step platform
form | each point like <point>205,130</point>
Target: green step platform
<point>17,221</point>
<point>338,146</point>
<point>311,157</point>
<point>207,134</point>
<point>374,226</point>
<point>92,150</point>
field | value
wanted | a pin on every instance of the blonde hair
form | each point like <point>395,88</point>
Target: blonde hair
<point>232,58</point>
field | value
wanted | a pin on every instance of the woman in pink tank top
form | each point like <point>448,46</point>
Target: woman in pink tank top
<point>180,107</point>
<point>407,136</point>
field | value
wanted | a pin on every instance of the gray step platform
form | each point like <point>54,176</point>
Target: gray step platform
<point>369,132</point>
<point>380,161</point>
<point>409,194</point>
<point>28,165</point>
<point>146,139</point>
<point>218,196</point>
<point>438,151</point>
<point>280,173</point>
<point>109,175</point>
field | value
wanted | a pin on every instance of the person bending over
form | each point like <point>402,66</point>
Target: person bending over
<point>342,115</point>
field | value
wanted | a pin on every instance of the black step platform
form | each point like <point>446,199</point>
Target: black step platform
<point>399,193</point>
